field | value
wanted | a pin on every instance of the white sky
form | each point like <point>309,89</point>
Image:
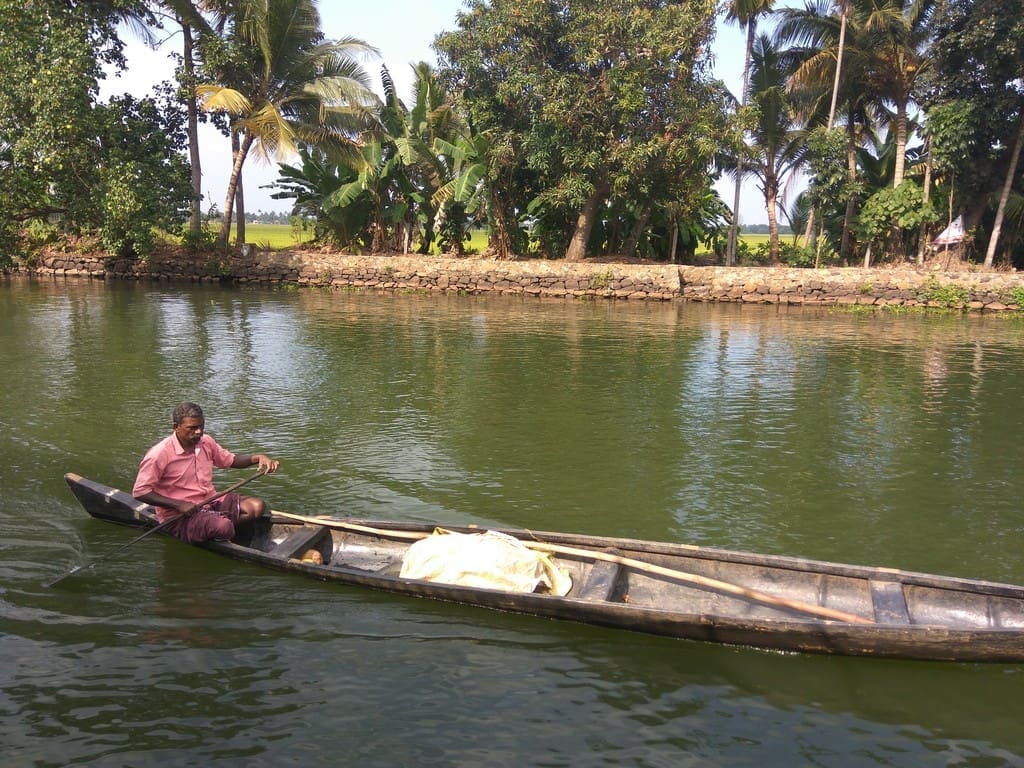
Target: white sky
<point>403,31</point>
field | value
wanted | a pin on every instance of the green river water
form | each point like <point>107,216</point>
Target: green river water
<point>873,439</point>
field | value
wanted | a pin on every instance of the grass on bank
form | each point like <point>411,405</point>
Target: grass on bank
<point>276,237</point>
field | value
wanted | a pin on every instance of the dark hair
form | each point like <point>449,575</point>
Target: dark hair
<point>184,411</point>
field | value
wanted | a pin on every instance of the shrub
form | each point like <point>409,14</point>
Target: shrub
<point>946,295</point>
<point>204,240</point>
<point>793,255</point>
<point>39,233</point>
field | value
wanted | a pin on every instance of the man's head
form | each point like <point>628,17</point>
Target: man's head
<point>189,424</point>
<point>183,411</point>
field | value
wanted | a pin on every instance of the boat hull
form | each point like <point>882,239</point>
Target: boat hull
<point>642,586</point>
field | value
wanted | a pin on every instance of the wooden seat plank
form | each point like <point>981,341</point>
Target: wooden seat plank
<point>601,582</point>
<point>299,541</point>
<point>889,602</point>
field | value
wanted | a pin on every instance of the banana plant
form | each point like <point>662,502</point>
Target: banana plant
<point>459,199</point>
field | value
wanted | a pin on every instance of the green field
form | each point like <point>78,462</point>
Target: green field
<point>275,236</point>
<point>755,240</point>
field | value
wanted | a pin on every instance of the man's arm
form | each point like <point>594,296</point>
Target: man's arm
<point>242,461</point>
<point>158,500</point>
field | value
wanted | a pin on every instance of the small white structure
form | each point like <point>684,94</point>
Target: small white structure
<point>951,235</point>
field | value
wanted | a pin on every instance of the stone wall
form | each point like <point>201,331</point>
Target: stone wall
<point>906,286</point>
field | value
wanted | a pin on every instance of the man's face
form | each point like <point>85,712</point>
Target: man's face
<point>189,431</point>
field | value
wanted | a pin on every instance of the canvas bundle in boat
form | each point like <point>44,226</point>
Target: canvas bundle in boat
<point>491,560</point>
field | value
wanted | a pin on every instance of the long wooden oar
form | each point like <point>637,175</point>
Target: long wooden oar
<point>155,528</point>
<point>629,562</point>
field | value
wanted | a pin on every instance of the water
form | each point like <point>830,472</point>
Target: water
<point>878,440</point>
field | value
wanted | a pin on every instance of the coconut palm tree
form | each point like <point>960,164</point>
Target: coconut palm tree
<point>779,145</point>
<point>188,14</point>
<point>896,33</point>
<point>831,67</point>
<point>868,54</point>
<point>746,14</point>
<point>283,84</point>
<point>844,13</point>
<point>1004,196</point>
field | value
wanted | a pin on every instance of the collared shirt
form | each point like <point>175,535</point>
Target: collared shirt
<point>170,471</point>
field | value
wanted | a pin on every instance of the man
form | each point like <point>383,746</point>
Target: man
<point>176,476</point>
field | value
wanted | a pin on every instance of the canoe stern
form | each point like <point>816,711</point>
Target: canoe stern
<point>106,503</point>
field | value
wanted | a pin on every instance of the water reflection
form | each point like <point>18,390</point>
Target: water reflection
<point>878,440</point>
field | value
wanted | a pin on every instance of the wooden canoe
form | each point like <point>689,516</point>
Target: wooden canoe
<point>679,590</point>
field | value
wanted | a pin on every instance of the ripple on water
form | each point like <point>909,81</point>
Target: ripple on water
<point>806,433</point>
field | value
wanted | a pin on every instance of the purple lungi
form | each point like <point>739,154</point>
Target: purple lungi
<point>214,521</point>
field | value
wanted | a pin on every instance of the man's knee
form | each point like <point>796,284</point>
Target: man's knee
<point>220,529</point>
<point>253,507</point>
<point>207,526</point>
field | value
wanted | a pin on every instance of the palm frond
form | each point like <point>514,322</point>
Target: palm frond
<point>276,134</point>
<point>215,98</point>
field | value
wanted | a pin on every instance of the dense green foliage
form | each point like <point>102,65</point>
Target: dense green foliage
<point>975,100</point>
<point>602,118</point>
<point>565,128</point>
<point>112,170</point>
<point>930,94</point>
<point>415,179</point>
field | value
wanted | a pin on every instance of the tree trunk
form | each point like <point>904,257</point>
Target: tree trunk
<point>500,239</point>
<point>378,239</point>
<point>730,251</point>
<point>851,201</point>
<point>195,219</point>
<point>809,229</point>
<point>771,194</point>
<point>923,234</point>
<point>577,249</point>
<point>839,65</point>
<point>629,247</point>
<point>846,245</point>
<point>901,143</point>
<point>229,198</point>
<point>997,227</point>
<point>239,197</point>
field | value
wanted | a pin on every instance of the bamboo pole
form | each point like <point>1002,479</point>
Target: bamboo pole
<point>629,562</point>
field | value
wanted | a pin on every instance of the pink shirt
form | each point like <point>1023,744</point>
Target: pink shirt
<point>170,471</point>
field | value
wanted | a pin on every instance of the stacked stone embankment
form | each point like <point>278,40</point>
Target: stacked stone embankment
<point>904,286</point>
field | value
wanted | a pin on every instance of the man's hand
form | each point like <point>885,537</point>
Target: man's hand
<point>264,462</point>
<point>185,509</point>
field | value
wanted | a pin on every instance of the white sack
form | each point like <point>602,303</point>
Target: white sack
<point>491,560</point>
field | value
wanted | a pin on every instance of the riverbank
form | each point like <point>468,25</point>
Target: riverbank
<point>905,286</point>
